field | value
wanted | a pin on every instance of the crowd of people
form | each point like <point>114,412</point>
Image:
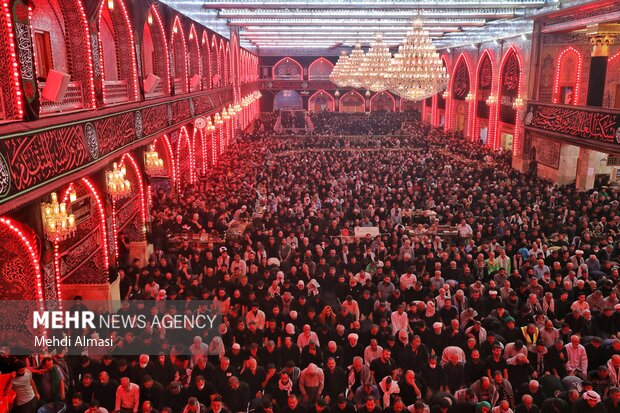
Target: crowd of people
<point>517,313</point>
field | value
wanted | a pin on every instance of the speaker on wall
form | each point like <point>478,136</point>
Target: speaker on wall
<point>56,85</point>
<point>194,83</point>
<point>151,82</point>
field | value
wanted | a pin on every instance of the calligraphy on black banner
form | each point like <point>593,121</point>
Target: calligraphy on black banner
<point>600,126</point>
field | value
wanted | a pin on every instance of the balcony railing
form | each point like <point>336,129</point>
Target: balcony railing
<point>297,84</point>
<point>179,86</point>
<point>115,91</point>
<point>72,100</point>
<point>159,91</point>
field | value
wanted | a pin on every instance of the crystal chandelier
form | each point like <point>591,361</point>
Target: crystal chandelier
<point>153,164</point>
<point>217,120</point>
<point>375,65</point>
<point>57,223</point>
<point>352,75</point>
<point>117,183</point>
<point>416,71</point>
<point>518,104</point>
<point>225,114</point>
<point>210,126</point>
<point>341,67</point>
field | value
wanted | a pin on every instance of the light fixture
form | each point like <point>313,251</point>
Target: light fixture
<point>445,94</point>
<point>353,77</point>
<point>367,93</point>
<point>111,5</point>
<point>116,182</point>
<point>72,195</point>
<point>375,65</point>
<point>153,164</point>
<point>518,104</point>
<point>341,67</point>
<point>469,97</point>
<point>492,100</point>
<point>416,71</point>
<point>337,93</point>
<point>57,223</point>
<point>225,114</point>
<point>210,126</point>
<point>217,120</point>
<point>149,19</point>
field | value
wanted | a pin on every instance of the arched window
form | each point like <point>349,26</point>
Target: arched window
<point>320,69</point>
<point>120,72</point>
<point>352,102</point>
<point>567,78</point>
<point>179,57</point>
<point>195,61</point>
<point>288,69</point>
<point>382,101</point>
<point>321,101</point>
<point>155,62</point>
<point>206,64</point>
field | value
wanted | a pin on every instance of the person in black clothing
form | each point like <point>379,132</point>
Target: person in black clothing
<point>105,391</point>
<point>335,380</point>
<point>496,362</point>
<point>475,368</point>
<point>152,391</point>
<point>383,366</point>
<point>202,390</point>
<point>432,374</point>
<point>86,388</point>
<point>237,395</point>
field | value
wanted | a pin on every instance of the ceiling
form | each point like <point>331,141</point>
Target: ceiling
<point>330,24</point>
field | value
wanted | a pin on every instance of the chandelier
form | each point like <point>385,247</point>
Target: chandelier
<point>117,183</point>
<point>375,65</point>
<point>518,104</point>
<point>341,67</point>
<point>57,223</point>
<point>352,75</point>
<point>217,120</point>
<point>210,126</point>
<point>153,164</point>
<point>416,71</point>
<point>225,114</point>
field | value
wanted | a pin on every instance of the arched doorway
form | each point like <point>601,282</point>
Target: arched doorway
<point>287,100</point>
<point>459,89</point>
<point>482,111</point>
<point>321,101</point>
<point>83,259</point>
<point>165,181</point>
<point>201,151</point>
<point>439,102</point>
<point>287,69</point>
<point>215,63</point>
<point>20,280</point>
<point>567,77</point>
<point>155,54</point>
<point>120,72</point>
<point>195,61</point>
<point>409,105</point>
<point>185,158</point>
<point>352,102</point>
<point>224,62</point>
<point>179,56</point>
<point>206,64</point>
<point>612,83</point>
<point>382,102</point>
<point>320,69</point>
<point>509,89</point>
<point>61,44</point>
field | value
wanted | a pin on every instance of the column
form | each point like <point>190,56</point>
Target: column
<point>585,170</point>
<point>601,37</point>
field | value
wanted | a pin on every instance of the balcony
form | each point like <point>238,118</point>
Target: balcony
<point>115,91</point>
<point>594,127</point>
<point>73,100</point>
<point>158,92</point>
<point>1,105</point>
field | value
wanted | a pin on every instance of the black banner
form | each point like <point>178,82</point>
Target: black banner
<point>25,56</point>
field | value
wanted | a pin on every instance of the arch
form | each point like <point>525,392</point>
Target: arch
<point>185,158</point>
<point>195,60</point>
<point>20,280</point>
<point>460,86</point>
<point>482,113</point>
<point>201,155</point>
<point>120,72</point>
<point>320,69</point>
<point>206,61</point>
<point>65,24</point>
<point>81,259</point>
<point>224,63</point>
<point>216,64</point>
<point>567,80</point>
<point>509,85</point>
<point>155,53</point>
<point>287,99</point>
<point>288,68</point>
<point>133,169</point>
<point>352,101</point>
<point>611,82</point>
<point>164,149</point>
<point>20,271</point>
<point>321,100</point>
<point>179,56</point>
<point>381,101</point>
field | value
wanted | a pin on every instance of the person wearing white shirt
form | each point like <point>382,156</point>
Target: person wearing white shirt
<point>577,363</point>
<point>465,230</point>
<point>306,337</point>
<point>372,351</point>
<point>400,320</point>
<point>407,280</point>
<point>257,316</point>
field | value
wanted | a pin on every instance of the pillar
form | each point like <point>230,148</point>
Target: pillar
<point>601,37</point>
<point>585,170</point>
